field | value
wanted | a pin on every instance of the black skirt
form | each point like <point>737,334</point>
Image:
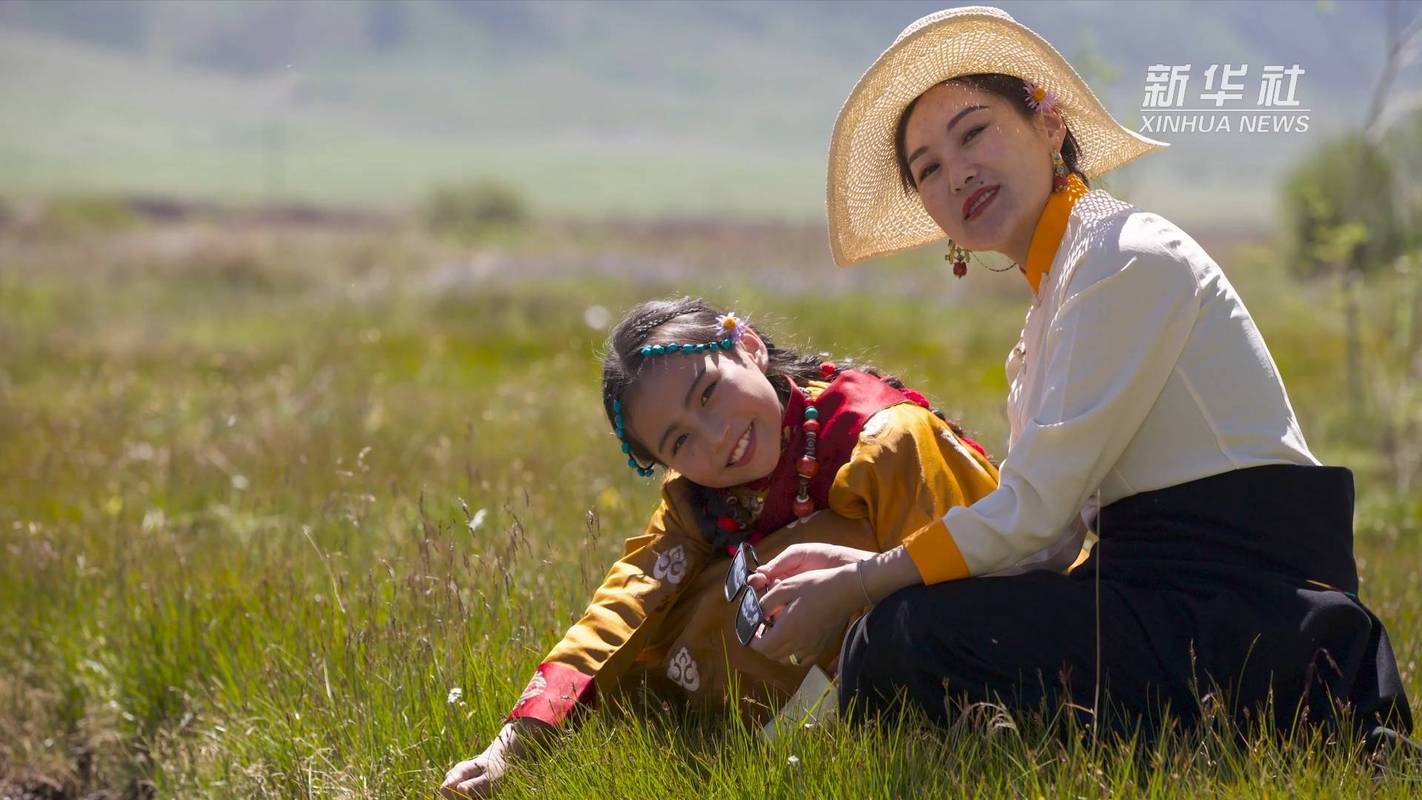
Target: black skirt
<point>1237,589</point>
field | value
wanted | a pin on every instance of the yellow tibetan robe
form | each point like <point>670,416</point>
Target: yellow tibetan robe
<point>660,619</point>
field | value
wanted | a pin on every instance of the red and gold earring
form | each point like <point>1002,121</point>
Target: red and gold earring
<point>958,257</point>
<point>1060,173</point>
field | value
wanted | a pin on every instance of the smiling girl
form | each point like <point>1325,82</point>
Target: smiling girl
<point>761,446</point>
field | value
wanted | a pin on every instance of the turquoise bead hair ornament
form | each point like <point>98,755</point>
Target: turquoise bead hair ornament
<point>621,429</point>
<point>732,328</point>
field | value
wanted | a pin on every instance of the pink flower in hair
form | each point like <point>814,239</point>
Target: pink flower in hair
<point>731,326</point>
<point>1040,98</point>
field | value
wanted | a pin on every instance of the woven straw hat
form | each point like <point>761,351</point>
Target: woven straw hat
<point>869,213</point>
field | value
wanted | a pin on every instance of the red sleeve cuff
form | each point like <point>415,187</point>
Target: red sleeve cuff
<point>553,693</point>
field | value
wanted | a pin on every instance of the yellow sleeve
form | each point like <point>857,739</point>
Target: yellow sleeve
<point>907,470</point>
<point>624,611</point>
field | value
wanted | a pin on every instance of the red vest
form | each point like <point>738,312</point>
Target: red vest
<point>845,405</point>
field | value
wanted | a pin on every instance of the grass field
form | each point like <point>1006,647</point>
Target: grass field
<point>269,493</point>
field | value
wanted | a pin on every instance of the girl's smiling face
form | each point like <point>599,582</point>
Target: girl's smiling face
<point>982,169</point>
<point>713,417</point>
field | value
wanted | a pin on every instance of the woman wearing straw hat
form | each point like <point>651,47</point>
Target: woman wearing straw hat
<point>1142,400</point>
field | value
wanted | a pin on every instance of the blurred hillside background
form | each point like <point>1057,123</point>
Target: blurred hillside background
<point>593,109</point>
<point>303,465</point>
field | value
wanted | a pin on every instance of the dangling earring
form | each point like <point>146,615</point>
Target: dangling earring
<point>959,257</point>
<point>1060,173</point>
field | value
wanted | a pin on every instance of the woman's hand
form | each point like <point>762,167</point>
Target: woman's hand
<point>479,776</point>
<point>798,558</point>
<point>810,611</point>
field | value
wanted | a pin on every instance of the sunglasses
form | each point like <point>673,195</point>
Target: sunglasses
<point>750,616</point>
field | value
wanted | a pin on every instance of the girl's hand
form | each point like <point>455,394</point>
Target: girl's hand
<point>810,611</point>
<point>479,776</point>
<point>800,558</point>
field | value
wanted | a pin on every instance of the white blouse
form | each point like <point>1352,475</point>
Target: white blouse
<point>1138,368</point>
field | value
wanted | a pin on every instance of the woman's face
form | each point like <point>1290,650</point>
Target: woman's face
<point>982,170</point>
<point>713,417</point>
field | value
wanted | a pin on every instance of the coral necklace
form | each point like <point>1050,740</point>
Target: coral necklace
<point>807,467</point>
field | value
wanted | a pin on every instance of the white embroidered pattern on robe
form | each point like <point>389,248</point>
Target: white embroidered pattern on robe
<point>535,687</point>
<point>670,566</point>
<point>874,425</point>
<point>949,437</point>
<point>682,671</point>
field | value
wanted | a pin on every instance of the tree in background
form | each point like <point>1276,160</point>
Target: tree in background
<point>1346,213</point>
<point>1341,209</point>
